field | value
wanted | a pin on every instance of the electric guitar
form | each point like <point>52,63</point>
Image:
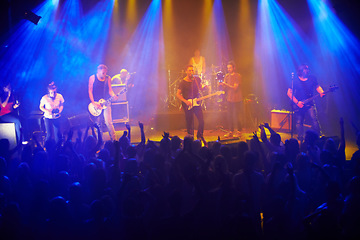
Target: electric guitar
<point>104,103</point>
<point>332,88</point>
<point>195,101</point>
<point>10,106</point>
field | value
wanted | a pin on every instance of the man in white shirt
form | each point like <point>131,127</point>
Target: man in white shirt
<point>52,106</point>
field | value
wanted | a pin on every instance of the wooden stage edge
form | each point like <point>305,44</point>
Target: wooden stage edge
<point>211,135</point>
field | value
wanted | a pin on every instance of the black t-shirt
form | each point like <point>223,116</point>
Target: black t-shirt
<point>101,89</point>
<point>305,89</point>
<point>186,91</point>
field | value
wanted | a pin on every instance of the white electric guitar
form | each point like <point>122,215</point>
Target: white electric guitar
<point>95,111</point>
<point>196,101</point>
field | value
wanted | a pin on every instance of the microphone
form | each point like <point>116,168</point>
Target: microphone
<point>292,75</point>
<point>132,73</point>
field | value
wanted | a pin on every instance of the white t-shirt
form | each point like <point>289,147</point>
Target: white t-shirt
<point>51,104</point>
<point>198,67</point>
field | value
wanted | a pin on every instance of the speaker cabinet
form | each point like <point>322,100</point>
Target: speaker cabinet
<point>281,120</point>
<point>120,112</point>
<point>7,130</point>
<point>117,88</point>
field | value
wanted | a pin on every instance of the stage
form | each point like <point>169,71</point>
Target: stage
<point>210,135</point>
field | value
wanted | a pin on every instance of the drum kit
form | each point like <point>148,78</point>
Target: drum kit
<point>209,84</point>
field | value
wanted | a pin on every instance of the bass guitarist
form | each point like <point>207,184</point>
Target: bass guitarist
<point>304,87</point>
<point>100,88</point>
<point>52,104</point>
<point>7,106</point>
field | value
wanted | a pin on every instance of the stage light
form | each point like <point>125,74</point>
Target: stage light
<point>145,53</point>
<point>32,17</point>
<point>280,46</point>
<point>217,41</point>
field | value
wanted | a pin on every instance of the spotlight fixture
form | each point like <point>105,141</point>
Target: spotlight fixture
<point>32,17</point>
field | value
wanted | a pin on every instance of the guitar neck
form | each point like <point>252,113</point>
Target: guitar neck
<point>313,97</point>
<point>310,99</point>
<point>112,97</point>
<point>207,96</point>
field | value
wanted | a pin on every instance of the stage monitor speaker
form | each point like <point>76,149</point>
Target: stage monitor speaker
<point>281,120</point>
<point>7,130</point>
<point>120,112</point>
<point>80,120</point>
<point>118,88</point>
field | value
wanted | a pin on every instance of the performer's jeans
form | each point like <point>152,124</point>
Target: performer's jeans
<point>108,121</point>
<point>233,113</point>
<point>8,118</point>
<point>189,116</point>
<point>52,127</point>
<point>300,116</point>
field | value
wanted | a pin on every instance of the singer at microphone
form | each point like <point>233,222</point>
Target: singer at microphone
<point>188,90</point>
<point>302,95</point>
<point>122,78</point>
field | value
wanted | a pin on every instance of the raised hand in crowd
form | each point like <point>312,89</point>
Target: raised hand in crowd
<point>127,125</point>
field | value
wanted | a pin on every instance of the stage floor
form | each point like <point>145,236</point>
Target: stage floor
<point>209,135</point>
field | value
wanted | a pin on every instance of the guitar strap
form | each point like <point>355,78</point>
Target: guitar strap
<point>105,82</point>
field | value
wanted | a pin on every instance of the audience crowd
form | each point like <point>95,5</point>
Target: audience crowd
<point>179,189</point>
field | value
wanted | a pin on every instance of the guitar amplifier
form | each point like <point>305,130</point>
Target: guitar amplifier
<point>281,120</point>
<point>120,112</point>
<point>118,88</point>
<point>7,130</point>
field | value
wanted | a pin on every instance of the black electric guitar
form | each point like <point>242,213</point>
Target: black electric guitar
<point>306,102</point>
<point>196,101</point>
<point>104,103</point>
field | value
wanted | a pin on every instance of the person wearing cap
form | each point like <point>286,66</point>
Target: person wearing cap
<point>100,88</point>
<point>52,104</point>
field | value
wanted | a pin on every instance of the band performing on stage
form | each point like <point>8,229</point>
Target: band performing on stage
<point>179,119</point>
<point>196,92</point>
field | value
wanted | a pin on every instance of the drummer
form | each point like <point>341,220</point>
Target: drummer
<point>199,64</point>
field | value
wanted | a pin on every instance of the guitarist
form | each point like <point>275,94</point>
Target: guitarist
<point>232,84</point>
<point>52,104</point>
<point>304,87</point>
<point>7,105</point>
<point>100,88</point>
<point>189,88</point>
